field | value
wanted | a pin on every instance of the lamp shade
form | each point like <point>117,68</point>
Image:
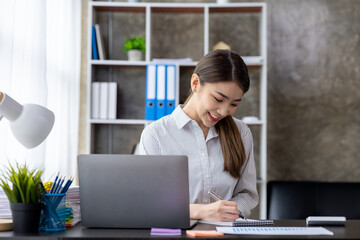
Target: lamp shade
<point>29,123</point>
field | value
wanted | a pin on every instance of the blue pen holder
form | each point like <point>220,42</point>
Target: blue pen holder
<point>53,212</point>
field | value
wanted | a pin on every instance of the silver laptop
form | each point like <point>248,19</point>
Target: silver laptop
<point>134,191</point>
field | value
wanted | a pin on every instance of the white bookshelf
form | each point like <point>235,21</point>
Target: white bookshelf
<point>205,10</point>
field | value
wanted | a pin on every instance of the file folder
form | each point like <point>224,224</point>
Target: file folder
<point>150,92</point>
<point>160,91</point>
<point>170,89</point>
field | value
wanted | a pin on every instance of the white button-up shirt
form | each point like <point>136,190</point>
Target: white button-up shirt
<point>178,134</point>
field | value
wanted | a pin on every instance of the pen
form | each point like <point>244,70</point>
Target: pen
<point>217,198</point>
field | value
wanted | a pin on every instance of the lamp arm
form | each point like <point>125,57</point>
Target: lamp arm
<point>9,108</point>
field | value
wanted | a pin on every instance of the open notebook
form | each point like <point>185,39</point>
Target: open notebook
<point>241,222</point>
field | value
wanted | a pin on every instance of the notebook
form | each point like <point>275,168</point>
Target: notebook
<point>134,191</point>
<point>241,222</point>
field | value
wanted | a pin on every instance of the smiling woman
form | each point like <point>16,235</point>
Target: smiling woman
<point>219,147</point>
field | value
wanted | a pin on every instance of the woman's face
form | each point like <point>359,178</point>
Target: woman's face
<point>215,101</point>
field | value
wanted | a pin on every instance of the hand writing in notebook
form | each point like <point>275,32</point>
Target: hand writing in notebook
<point>221,210</point>
<point>217,198</point>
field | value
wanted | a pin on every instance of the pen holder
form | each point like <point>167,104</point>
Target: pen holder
<point>53,212</point>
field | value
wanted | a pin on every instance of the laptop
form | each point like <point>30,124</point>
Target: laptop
<point>134,191</point>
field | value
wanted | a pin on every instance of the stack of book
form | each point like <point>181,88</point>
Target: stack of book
<point>103,100</point>
<point>98,51</point>
<point>73,200</point>
<point>5,211</point>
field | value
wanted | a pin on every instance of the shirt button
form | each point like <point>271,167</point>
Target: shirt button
<point>207,176</point>
<point>204,155</point>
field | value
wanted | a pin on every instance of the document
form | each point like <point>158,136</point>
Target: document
<point>298,231</point>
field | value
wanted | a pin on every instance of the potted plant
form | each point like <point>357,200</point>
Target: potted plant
<point>23,189</point>
<point>134,47</point>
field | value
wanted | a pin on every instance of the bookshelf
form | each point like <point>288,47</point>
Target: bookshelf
<point>202,26</point>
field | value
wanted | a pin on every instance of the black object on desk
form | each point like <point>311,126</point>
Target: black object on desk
<point>300,199</point>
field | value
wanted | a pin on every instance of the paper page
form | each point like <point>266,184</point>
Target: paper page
<point>275,230</point>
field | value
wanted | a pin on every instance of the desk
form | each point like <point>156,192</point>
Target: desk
<point>350,231</point>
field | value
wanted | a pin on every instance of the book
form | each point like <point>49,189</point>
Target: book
<point>93,43</point>
<point>95,100</point>
<point>99,42</point>
<point>240,222</point>
<point>104,100</point>
<point>112,101</point>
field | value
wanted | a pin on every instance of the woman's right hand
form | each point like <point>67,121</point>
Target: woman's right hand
<point>224,211</point>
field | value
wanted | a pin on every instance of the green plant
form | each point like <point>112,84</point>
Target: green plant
<point>26,184</point>
<point>134,43</point>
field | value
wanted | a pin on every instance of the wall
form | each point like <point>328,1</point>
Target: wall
<point>313,89</point>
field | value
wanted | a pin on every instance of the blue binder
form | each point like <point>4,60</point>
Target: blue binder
<point>150,98</point>
<point>94,47</point>
<point>160,91</point>
<point>170,88</point>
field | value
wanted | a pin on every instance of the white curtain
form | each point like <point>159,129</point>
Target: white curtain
<point>40,63</point>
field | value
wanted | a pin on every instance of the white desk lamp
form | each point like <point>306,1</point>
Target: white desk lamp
<point>30,123</point>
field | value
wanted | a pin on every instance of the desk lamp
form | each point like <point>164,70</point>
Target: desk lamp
<point>29,123</point>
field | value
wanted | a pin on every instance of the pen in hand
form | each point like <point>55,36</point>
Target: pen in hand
<point>217,198</point>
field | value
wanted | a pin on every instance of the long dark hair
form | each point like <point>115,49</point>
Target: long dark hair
<point>219,66</point>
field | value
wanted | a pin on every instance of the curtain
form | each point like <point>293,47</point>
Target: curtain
<point>40,63</point>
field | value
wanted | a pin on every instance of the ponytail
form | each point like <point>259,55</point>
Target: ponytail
<point>231,145</point>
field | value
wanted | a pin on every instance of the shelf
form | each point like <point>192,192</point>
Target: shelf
<point>119,121</point>
<point>143,121</point>
<point>118,63</point>
<point>178,7</point>
<point>255,61</point>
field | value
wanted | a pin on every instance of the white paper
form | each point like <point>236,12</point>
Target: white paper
<point>275,230</point>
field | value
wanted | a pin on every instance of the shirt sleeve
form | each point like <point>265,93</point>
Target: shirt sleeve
<point>149,144</point>
<point>245,193</point>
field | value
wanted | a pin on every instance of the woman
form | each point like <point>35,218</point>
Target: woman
<point>219,147</point>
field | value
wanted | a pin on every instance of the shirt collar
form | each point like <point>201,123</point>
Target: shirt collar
<point>181,119</point>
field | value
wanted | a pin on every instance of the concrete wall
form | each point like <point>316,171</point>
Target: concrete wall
<point>314,90</point>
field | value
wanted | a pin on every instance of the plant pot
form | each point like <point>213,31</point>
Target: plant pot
<point>134,55</point>
<point>26,217</point>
